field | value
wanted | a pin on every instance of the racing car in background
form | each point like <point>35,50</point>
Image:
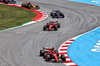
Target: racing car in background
<point>49,54</point>
<point>45,49</point>
<point>8,1</point>
<point>56,14</point>
<point>52,26</point>
<point>29,5</point>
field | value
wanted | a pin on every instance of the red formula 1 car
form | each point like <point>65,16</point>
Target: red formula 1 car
<point>50,55</point>
<point>52,26</point>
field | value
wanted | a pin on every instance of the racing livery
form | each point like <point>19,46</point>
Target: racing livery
<point>29,5</point>
<point>49,54</point>
<point>56,14</point>
<point>52,26</point>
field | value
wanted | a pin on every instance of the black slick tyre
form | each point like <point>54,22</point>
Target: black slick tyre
<point>37,7</point>
<point>44,27</point>
<point>51,14</point>
<point>42,52</point>
<point>47,58</point>
<point>55,28</point>
<point>63,57</point>
<point>58,24</point>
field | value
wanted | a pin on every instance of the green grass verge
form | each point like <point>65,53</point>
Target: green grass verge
<point>13,16</point>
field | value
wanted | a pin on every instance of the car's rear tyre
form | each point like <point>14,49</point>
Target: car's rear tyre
<point>55,28</point>
<point>58,25</point>
<point>44,27</point>
<point>51,14</point>
<point>42,52</point>
<point>63,57</point>
<point>15,2</point>
<point>63,16</point>
<point>23,5</point>
<point>37,7</point>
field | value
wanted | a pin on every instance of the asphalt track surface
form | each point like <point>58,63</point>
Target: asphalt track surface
<point>21,46</point>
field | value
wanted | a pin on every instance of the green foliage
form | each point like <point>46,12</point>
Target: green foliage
<point>13,16</point>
